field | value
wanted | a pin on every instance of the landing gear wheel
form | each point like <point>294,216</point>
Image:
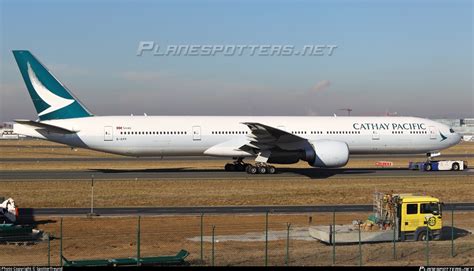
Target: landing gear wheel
<point>251,169</point>
<point>271,170</point>
<point>428,167</point>
<point>262,170</point>
<point>227,167</point>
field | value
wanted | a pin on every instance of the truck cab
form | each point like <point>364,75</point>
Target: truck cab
<point>417,213</point>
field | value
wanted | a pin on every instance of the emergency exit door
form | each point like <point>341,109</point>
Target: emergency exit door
<point>196,133</point>
<point>432,132</point>
<point>375,135</point>
<point>108,133</point>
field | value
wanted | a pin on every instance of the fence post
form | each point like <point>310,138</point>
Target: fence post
<point>334,237</point>
<point>360,249</point>
<point>394,226</point>
<point>427,243</point>
<point>287,258</point>
<point>49,250</point>
<point>452,231</point>
<point>138,240</point>
<point>92,194</point>
<point>61,243</point>
<point>202,237</point>
<point>213,251</point>
<point>266,238</point>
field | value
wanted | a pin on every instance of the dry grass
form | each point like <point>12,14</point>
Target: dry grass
<point>217,192</point>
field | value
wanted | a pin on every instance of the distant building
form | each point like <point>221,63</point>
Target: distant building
<point>463,126</point>
<point>6,131</point>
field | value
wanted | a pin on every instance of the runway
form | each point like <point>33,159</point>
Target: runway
<point>191,173</point>
<point>149,211</point>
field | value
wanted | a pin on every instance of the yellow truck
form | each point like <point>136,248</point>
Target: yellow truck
<point>402,217</point>
<point>415,214</point>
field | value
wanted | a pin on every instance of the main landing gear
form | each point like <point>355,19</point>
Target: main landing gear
<point>259,168</point>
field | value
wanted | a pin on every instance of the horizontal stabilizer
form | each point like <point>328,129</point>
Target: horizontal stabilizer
<point>48,127</point>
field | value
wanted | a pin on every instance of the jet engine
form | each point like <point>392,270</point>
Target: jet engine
<point>327,154</point>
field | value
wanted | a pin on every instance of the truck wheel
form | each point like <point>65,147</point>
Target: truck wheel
<point>455,166</point>
<point>422,236</point>
<point>428,167</point>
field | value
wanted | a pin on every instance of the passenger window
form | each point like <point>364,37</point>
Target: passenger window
<point>412,209</point>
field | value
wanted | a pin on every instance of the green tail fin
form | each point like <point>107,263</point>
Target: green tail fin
<point>51,98</point>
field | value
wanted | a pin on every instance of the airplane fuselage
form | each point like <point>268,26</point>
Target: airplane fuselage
<point>193,135</point>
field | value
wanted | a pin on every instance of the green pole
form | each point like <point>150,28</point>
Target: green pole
<point>427,244</point>
<point>213,249</point>
<point>394,241</point>
<point>334,237</point>
<point>202,237</point>
<point>138,241</point>
<point>61,243</point>
<point>287,258</point>
<point>452,232</point>
<point>266,238</point>
<point>360,249</point>
<point>49,250</point>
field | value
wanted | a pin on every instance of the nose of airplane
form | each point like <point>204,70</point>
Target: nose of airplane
<point>458,138</point>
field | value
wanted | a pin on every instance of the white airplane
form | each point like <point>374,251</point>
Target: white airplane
<point>323,142</point>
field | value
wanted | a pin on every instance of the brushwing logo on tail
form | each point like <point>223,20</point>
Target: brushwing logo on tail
<point>55,102</point>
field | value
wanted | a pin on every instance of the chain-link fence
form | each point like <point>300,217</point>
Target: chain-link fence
<point>234,239</point>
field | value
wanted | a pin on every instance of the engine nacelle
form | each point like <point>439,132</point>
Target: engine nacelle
<point>327,154</point>
<point>285,157</point>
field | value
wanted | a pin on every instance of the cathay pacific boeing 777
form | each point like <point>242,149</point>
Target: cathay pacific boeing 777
<point>323,142</point>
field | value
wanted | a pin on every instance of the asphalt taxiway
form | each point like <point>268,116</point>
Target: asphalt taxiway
<point>199,174</point>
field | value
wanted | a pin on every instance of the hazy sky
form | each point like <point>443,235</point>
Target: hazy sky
<point>411,57</point>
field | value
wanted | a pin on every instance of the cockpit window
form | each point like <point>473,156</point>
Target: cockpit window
<point>451,130</point>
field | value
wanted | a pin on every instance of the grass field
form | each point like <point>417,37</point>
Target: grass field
<point>230,192</point>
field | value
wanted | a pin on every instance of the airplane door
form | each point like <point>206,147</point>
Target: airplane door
<point>108,133</point>
<point>196,133</point>
<point>375,135</point>
<point>432,132</point>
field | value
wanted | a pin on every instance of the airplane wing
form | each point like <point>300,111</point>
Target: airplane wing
<point>263,139</point>
<point>48,127</point>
